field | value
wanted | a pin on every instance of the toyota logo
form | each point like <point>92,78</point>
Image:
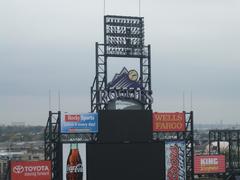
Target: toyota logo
<point>18,169</point>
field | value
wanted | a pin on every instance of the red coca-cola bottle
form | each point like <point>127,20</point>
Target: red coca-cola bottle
<point>74,164</point>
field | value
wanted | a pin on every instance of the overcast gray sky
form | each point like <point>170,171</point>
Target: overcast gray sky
<point>49,44</point>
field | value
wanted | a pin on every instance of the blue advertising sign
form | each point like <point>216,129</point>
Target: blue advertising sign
<point>79,123</point>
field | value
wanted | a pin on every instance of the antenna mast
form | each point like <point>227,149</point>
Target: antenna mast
<point>49,99</point>
<point>139,4</point>
<point>59,101</point>
<point>104,7</point>
<point>191,101</point>
<point>183,96</point>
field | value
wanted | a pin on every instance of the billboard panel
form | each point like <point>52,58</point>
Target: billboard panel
<point>175,160</point>
<point>209,164</point>
<point>126,161</point>
<point>125,125</point>
<point>79,123</point>
<point>168,122</point>
<point>74,161</point>
<point>28,170</point>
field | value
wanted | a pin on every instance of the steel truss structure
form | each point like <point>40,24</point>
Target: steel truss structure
<point>186,136</point>
<point>5,174</point>
<point>123,38</point>
<point>53,142</point>
<point>232,152</point>
<point>54,139</point>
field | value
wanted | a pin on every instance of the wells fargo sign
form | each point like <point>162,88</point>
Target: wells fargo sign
<point>209,164</point>
<point>168,122</point>
<point>28,170</point>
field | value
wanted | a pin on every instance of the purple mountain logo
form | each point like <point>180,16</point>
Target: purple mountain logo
<point>125,80</point>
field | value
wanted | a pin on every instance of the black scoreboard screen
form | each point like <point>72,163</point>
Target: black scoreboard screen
<point>138,161</point>
<point>125,125</point>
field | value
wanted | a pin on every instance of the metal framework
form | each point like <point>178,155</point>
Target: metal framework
<point>53,142</point>
<point>232,153</point>
<point>123,37</point>
<point>54,139</point>
<point>186,136</point>
<point>5,174</point>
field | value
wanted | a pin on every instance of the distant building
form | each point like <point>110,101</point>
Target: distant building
<point>18,123</point>
<point>23,151</point>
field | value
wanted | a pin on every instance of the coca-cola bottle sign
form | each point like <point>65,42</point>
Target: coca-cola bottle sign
<point>74,170</point>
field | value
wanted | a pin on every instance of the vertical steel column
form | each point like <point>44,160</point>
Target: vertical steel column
<point>229,150</point>
<point>149,73</point>
<point>218,143</point>
<point>105,52</point>
<point>238,147</point>
<point>97,77</point>
<point>192,144</point>
<point>48,138</point>
<point>52,143</point>
<point>209,142</point>
<point>141,70</point>
<point>58,147</point>
<point>141,58</point>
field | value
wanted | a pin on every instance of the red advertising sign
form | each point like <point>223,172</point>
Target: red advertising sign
<point>168,122</point>
<point>209,164</point>
<point>72,118</point>
<point>28,170</point>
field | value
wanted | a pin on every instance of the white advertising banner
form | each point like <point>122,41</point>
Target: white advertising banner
<point>175,160</point>
<point>74,161</point>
